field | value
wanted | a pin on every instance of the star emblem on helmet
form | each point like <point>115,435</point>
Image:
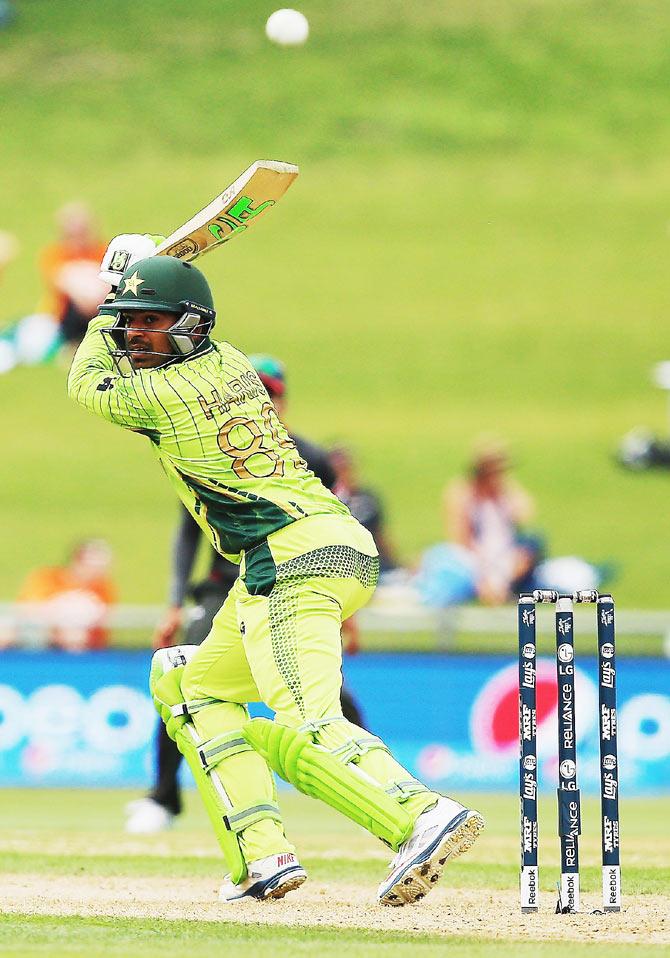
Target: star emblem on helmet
<point>133,283</point>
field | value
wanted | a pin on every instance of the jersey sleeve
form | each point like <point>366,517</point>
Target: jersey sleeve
<point>94,383</point>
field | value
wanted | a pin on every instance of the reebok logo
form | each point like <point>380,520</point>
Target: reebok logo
<point>612,886</point>
<point>570,890</point>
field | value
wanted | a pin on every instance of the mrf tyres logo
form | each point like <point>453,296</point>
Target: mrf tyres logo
<point>528,720</point>
<point>607,723</point>
<point>610,835</point>
<point>529,835</point>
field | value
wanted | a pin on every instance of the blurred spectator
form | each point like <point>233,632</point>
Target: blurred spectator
<point>363,503</point>
<point>485,513</point>
<point>67,607</point>
<point>639,450</point>
<point>7,13</point>
<point>69,268</point>
<point>73,292</point>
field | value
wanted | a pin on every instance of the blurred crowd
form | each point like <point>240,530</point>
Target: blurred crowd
<point>71,291</point>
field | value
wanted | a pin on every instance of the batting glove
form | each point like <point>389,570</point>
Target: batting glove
<point>123,251</point>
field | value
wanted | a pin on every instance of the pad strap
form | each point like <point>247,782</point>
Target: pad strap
<point>190,708</point>
<point>357,746</point>
<point>313,725</point>
<point>238,819</point>
<point>401,791</point>
<point>351,749</point>
<point>223,746</point>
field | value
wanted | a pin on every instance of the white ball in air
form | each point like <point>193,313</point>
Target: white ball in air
<point>289,28</point>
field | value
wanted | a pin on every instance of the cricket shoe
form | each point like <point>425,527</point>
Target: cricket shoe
<point>442,832</point>
<point>268,878</point>
<point>146,817</point>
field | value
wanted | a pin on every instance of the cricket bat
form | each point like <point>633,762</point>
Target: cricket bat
<point>232,212</point>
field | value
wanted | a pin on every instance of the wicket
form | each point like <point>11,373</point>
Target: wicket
<point>569,812</point>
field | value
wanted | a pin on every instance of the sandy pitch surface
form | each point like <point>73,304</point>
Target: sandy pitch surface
<point>448,912</point>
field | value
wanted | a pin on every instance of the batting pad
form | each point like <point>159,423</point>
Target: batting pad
<point>316,772</point>
<point>203,758</point>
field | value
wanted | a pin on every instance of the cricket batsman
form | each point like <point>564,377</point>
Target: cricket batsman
<point>148,363</point>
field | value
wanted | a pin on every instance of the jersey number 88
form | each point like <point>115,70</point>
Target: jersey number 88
<point>242,440</point>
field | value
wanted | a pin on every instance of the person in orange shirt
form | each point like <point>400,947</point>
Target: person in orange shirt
<point>67,606</point>
<point>70,271</point>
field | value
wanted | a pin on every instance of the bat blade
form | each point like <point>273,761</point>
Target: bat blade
<point>253,193</point>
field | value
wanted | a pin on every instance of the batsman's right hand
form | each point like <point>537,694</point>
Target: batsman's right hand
<point>123,251</point>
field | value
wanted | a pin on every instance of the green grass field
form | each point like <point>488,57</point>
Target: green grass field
<point>477,244</point>
<point>73,883</point>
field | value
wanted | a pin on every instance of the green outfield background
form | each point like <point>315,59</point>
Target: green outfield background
<point>477,243</point>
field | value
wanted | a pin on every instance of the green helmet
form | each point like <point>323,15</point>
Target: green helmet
<point>162,284</point>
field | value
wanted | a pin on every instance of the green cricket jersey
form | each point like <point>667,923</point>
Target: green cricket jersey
<point>216,434</point>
